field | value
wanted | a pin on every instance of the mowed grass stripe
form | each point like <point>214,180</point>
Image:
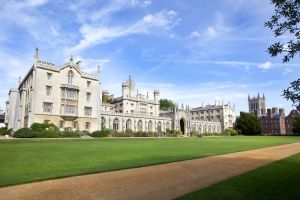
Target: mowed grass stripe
<point>25,160</point>
<point>279,180</point>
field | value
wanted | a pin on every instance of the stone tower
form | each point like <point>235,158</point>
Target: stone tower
<point>257,104</point>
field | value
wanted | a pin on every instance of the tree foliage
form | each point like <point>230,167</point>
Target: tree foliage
<point>296,125</point>
<point>293,93</point>
<point>285,21</point>
<point>248,124</point>
<point>166,104</point>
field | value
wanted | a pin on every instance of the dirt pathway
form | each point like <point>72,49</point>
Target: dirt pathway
<point>165,181</point>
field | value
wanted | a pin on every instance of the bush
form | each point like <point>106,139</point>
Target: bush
<point>230,131</point>
<point>194,133</point>
<point>25,133</point>
<point>173,133</point>
<point>129,133</point>
<point>70,133</point>
<point>5,131</point>
<point>43,126</point>
<point>105,132</point>
<point>48,134</point>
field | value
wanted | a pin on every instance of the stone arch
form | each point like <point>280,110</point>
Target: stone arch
<point>116,124</point>
<point>128,124</point>
<point>150,126</point>
<point>159,126</point>
<point>103,122</point>
<point>140,126</point>
<point>205,129</point>
<point>168,125</point>
<point>200,128</point>
<point>182,125</point>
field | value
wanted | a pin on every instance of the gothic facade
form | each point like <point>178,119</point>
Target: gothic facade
<point>69,98</point>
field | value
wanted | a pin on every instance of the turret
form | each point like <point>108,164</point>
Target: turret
<point>125,90</point>
<point>156,94</point>
<point>78,64</point>
<point>36,56</point>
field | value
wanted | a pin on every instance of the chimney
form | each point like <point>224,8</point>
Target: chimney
<point>269,112</point>
<point>78,64</point>
<point>281,111</point>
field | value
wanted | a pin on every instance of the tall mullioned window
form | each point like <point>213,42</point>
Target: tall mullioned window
<point>70,77</point>
<point>47,107</point>
<point>88,111</point>
<point>48,90</point>
<point>116,124</point>
<point>88,96</point>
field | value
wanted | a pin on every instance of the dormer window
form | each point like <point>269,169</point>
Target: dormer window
<point>70,77</point>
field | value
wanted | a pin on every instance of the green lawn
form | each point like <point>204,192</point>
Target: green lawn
<point>27,160</point>
<point>279,180</point>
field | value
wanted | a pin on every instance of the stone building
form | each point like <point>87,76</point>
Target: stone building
<point>69,98</point>
<point>132,110</point>
<point>64,96</point>
<point>273,121</point>
<point>140,112</point>
<point>257,104</point>
<point>219,112</point>
<point>289,121</point>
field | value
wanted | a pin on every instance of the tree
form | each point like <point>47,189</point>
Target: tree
<point>285,21</point>
<point>248,124</point>
<point>296,125</point>
<point>293,93</point>
<point>166,104</point>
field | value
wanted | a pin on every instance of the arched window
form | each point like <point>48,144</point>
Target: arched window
<point>159,126</point>
<point>205,129</point>
<point>214,129</point>
<point>70,77</point>
<point>200,128</point>
<point>140,125</point>
<point>116,124</point>
<point>103,121</point>
<point>128,124</point>
<point>209,128</point>
<point>168,125</point>
<point>150,126</point>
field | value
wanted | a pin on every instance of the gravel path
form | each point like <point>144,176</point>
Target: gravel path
<point>165,181</point>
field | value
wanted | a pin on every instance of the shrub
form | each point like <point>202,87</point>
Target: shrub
<point>85,133</point>
<point>230,131</point>
<point>194,133</point>
<point>25,133</point>
<point>173,133</point>
<point>140,134</point>
<point>70,133</point>
<point>43,126</point>
<point>129,133</point>
<point>105,132</point>
<point>3,131</point>
<point>48,134</point>
<point>152,134</point>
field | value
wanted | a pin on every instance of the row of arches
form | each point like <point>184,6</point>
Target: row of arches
<point>206,128</point>
<point>140,125</point>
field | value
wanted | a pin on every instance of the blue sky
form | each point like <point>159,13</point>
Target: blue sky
<point>194,51</point>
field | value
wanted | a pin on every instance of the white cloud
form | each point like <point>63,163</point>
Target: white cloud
<point>194,34</point>
<point>265,65</point>
<point>95,34</point>
<point>211,32</point>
